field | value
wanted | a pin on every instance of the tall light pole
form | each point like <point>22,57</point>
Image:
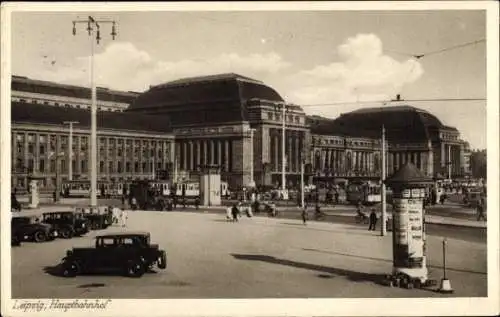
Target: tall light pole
<point>252,180</point>
<point>93,25</point>
<point>449,161</point>
<point>283,149</point>
<point>58,157</point>
<point>70,148</point>
<point>383,229</point>
<point>302,162</point>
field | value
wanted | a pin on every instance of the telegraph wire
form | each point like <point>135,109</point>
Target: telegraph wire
<point>391,101</point>
<point>320,38</point>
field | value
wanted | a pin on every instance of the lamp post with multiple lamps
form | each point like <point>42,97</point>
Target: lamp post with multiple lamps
<point>283,149</point>
<point>70,148</point>
<point>252,180</point>
<point>94,31</point>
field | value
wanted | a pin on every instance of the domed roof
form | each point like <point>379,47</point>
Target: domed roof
<point>402,124</point>
<point>216,98</point>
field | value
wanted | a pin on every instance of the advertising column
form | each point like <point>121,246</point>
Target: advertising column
<point>408,185</point>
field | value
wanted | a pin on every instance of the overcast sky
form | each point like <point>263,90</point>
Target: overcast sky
<point>308,57</point>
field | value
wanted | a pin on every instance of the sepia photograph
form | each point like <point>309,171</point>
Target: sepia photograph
<point>296,156</point>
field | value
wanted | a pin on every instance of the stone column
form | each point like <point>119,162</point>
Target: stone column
<point>298,153</point>
<point>198,153</point>
<point>430,162</point>
<point>443,155</point>
<point>106,157</point>
<point>191,156</point>
<point>184,151</point>
<point>290,157</point>
<point>226,155</point>
<point>26,155</point>
<point>277,146</point>
<point>36,153</point>
<point>219,152</point>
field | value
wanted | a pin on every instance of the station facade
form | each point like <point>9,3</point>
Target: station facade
<point>181,125</point>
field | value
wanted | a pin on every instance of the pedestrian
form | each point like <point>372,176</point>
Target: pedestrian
<point>123,217</point>
<point>197,203</point>
<point>480,210</point>
<point>123,201</point>
<point>54,196</point>
<point>234,212</point>
<point>133,203</point>
<point>442,198</point>
<point>373,220</point>
<point>304,215</point>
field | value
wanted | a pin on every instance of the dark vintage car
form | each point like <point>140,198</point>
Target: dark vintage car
<point>30,228</point>
<point>67,223</point>
<point>99,219</point>
<point>131,253</point>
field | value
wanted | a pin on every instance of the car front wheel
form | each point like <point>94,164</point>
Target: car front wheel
<point>70,269</point>
<point>136,268</point>
<point>40,236</point>
<point>162,260</point>
<point>66,233</point>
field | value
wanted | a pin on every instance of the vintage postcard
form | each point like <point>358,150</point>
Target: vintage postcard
<point>250,159</point>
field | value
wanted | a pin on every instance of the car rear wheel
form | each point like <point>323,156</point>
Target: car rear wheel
<point>162,260</point>
<point>70,269</point>
<point>66,233</point>
<point>136,268</point>
<point>40,236</point>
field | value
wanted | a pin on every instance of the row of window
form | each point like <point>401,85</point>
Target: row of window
<point>278,117</point>
<point>119,167</point>
<point>69,105</point>
<point>52,140</point>
<point>448,136</point>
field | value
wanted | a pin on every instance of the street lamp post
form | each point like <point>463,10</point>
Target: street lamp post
<point>302,162</point>
<point>283,149</point>
<point>93,24</point>
<point>70,148</point>
<point>383,229</point>
<point>449,161</point>
<point>58,157</point>
<point>252,180</point>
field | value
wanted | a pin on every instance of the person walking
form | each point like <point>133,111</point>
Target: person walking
<point>133,203</point>
<point>480,210</point>
<point>123,217</point>
<point>234,212</point>
<point>373,220</point>
<point>304,215</point>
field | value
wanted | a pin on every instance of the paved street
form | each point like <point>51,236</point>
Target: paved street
<point>257,257</point>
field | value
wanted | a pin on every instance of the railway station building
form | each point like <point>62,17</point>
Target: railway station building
<point>181,125</point>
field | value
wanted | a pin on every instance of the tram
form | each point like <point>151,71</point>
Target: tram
<point>368,193</point>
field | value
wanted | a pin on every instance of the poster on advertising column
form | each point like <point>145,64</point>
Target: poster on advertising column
<point>408,229</point>
<point>400,235</point>
<point>415,226</point>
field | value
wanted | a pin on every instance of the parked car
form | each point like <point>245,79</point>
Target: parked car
<point>67,223</point>
<point>101,219</point>
<point>30,228</point>
<point>130,252</point>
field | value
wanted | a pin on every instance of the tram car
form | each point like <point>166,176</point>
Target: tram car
<point>368,193</point>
